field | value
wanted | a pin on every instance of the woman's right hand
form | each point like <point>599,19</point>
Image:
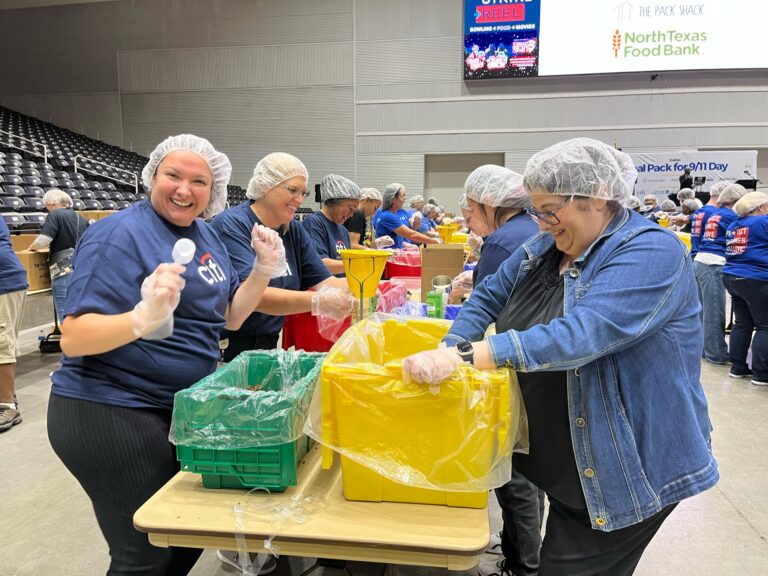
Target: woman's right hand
<point>333,303</point>
<point>160,294</point>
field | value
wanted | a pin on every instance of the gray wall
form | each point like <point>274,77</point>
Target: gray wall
<point>365,88</point>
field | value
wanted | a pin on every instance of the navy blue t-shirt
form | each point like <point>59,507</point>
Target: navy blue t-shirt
<point>306,269</point>
<point>13,276</point>
<point>698,223</point>
<point>746,248</point>
<point>112,259</point>
<point>502,243</point>
<point>386,223</point>
<point>327,236</point>
<point>713,238</point>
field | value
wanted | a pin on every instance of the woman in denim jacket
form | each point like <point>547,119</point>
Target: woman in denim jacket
<point>582,311</point>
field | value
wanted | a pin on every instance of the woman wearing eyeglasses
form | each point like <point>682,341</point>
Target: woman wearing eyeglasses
<point>582,312</point>
<point>392,220</point>
<point>275,192</point>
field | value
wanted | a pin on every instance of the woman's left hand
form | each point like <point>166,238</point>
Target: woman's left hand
<point>269,251</point>
<point>432,366</point>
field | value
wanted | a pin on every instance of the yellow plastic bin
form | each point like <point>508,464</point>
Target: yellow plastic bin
<point>445,439</point>
<point>459,238</point>
<point>446,232</point>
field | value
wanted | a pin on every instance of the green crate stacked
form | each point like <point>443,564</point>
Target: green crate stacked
<point>241,427</point>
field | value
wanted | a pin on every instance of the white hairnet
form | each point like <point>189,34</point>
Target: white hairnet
<point>334,187</point>
<point>692,204</point>
<point>651,197</point>
<point>416,199</point>
<point>632,203</point>
<point>272,170</point>
<point>718,187</point>
<point>668,206</point>
<point>749,202</point>
<point>463,204</point>
<point>496,186</point>
<point>219,164</point>
<point>580,167</point>
<point>57,197</point>
<point>731,193</point>
<point>432,200</point>
<point>429,209</point>
<point>389,195</point>
<point>685,194</point>
<point>370,194</point>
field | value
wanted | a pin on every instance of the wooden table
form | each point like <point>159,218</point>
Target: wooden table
<point>183,513</point>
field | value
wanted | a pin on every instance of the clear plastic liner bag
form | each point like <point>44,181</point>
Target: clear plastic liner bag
<point>261,398</point>
<point>460,439</point>
<point>331,328</point>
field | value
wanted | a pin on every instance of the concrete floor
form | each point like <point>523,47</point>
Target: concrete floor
<point>47,525</point>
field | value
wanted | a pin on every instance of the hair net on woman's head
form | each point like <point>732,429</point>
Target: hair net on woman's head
<point>219,164</point>
<point>731,193</point>
<point>650,197</point>
<point>416,200</point>
<point>692,204</point>
<point>429,209</point>
<point>57,196</point>
<point>685,194</point>
<point>632,203</point>
<point>272,170</point>
<point>749,202</point>
<point>432,200</point>
<point>389,195</point>
<point>370,194</point>
<point>580,167</point>
<point>718,187</point>
<point>333,187</point>
<point>496,186</point>
<point>667,205</point>
<point>463,204</point>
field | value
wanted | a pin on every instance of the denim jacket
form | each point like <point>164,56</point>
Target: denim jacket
<point>630,340</point>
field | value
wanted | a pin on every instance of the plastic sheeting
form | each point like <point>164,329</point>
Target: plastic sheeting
<point>460,439</point>
<point>261,398</point>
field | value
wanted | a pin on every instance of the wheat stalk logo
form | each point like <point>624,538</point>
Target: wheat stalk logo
<point>616,43</point>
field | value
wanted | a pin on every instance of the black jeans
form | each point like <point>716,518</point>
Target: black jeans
<point>572,548</point>
<point>240,343</point>
<point>121,457</point>
<point>522,509</point>
<point>749,300</point>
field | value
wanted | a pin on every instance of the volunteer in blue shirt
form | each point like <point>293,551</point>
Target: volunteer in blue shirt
<point>708,265</point>
<point>109,412</point>
<point>700,217</point>
<point>745,275</point>
<point>13,294</point>
<point>392,220</point>
<point>339,196</point>
<point>276,190</point>
<point>582,315</point>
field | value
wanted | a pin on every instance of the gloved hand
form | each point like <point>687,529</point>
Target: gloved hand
<point>462,284</point>
<point>432,366</point>
<point>269,251</point>
<point>475,243</point>
<point>333,303</point>
<point>409,246</point>
<point>160,294</point>
<point>383,242</point>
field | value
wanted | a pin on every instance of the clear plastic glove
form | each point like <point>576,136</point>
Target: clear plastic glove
<point>409,246</point>
<point>152,318</point>
<point>270,252</point>
<point>333,303</point>
<point>383,242</point>
<point>462,284</point>
<point>475,243</point>
<point>431,367</point>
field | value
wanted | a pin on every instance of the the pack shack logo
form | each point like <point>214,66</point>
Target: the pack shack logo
<point>657,43</point>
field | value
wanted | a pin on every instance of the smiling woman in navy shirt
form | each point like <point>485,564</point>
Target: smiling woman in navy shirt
<point>275,192</point>
<point>110,408</point>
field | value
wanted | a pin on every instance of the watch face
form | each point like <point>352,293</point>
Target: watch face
<point>464,347</point>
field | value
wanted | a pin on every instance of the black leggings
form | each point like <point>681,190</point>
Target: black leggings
<point>240,343</point>
<point>121,457</point>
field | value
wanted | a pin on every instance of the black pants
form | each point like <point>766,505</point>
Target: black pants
<point>522,509</point>
<point>121,457</point>
<point>572,548</point>
<point>239,343</point>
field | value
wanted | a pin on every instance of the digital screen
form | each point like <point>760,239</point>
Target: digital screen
<point>526,38</point>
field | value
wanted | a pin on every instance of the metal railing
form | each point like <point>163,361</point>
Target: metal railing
<point>135,182</point>
<point>36,143</point>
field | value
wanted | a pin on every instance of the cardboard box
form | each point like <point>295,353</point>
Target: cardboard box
<point>36,264</point>
<point>22,241</point>
<point>438,259</point>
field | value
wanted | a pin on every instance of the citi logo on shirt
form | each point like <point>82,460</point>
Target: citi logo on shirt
<point>210,271</point>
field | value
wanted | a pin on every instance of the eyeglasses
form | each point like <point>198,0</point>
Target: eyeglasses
<point>548,216</point>
<point>296,191</point>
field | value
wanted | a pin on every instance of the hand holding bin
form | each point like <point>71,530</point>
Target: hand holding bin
<point>397,441</point>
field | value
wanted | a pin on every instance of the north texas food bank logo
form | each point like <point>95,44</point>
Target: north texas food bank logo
<point>657,43</point>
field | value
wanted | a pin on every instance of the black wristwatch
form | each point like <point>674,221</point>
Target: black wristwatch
<point>466,351</point>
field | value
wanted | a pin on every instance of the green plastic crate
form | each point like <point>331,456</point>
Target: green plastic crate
<point>235,437</point>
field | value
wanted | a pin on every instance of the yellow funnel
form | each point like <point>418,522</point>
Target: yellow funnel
<point>446,231</point>
<point>364,269</point>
